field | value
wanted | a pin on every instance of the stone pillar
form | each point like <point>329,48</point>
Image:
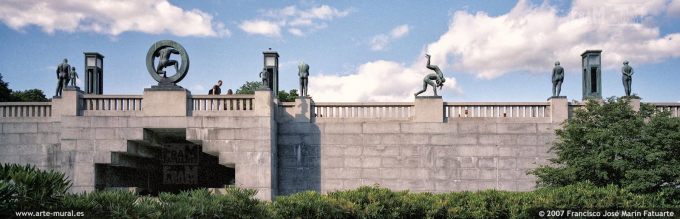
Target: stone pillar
<point>634,103</point>
<point>429,109</point>
<point>303,109</point>
<point>559,109</point>
<point>165,102</point>
<point>263,105</point>
<point>68,104</point>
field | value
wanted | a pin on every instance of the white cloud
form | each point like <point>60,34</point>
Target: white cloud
<point>298,22</point>
<point>674,8</point>
<point>261,27</point>
<point>110,17</point>
<point>380,41</point>
<point>531,37</point>
<point>375,81</point>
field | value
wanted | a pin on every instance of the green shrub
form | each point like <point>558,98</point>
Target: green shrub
<point>311,205</point>
<point>24,187</point>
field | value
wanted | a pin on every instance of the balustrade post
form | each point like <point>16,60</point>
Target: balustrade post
<point>429,109</point>
<point>69,104</point>
<point>559,109</point>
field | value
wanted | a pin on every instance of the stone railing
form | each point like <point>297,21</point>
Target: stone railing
<point>236,102</point>
<point>673,108</point>
<point>25,109</point>
<point>497,109</point>
<point>112,102</point>
<point>382,110</point>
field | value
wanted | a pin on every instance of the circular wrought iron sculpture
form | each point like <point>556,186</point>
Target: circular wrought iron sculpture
<point>163,49</point>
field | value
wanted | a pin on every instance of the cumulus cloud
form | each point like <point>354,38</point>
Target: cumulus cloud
<point>530,37</point>
<point>262,27</point>
<point>674,8</point>
<point>380,41</point>
<point>297,21</point>
<point>110,17</point>
<point>375,81</point>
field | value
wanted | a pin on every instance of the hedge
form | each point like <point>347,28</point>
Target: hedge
<point>363,202</point>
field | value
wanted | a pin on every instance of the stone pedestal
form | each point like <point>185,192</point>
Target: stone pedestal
<point>68,104</point>
<point>559,109</point>
<point>263,105</point>
<point>165,101</point>
<point>429,109</point>
<point>302,111</point>
<point>634,103</point>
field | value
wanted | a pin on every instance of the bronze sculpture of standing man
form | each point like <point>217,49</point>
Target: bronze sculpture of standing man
<point>557,79</point>
<point>304,74</point>
<point>627,77</point>
<point>63,71</point>
<point>437,77</point>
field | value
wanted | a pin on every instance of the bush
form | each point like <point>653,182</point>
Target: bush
<point>24,188</point>
<point>311,205</point>
<point>610,143</point>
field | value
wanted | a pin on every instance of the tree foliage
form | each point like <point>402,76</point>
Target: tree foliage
<point>32,95</point>
<point>249,87</point>
<point>288,96</point>
<point>5,92</point>
<point>610,143</point>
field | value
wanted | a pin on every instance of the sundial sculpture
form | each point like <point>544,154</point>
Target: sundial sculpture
<point>163,50</point>
<point>434,79</point>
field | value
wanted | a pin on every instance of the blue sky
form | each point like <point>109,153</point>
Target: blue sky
<point>357,50</point>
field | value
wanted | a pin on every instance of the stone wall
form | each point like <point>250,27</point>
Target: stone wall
<point>32,141</point>
<point>468,154</point>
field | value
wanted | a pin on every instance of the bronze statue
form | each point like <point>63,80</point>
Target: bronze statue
<point>62,74</point>
<point>264,75</point>
<point>627,77</point>
<point>557,78</point>
<point>165,60</point>
<point>437,77</point>
<point>73,76</point>
<point>304,74</point>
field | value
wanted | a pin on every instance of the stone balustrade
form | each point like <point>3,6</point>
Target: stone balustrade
<point>673,108</point>
<point>112,102</point>
<point>368,110</point>
<point>497,109</point>
<point>222,102</point>
<point>26,109</point>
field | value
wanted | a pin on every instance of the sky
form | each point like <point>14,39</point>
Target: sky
<point>357,50</point>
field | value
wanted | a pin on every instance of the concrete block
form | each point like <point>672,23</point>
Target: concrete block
<point>488,174</point>
<point>469,174</point>
<point>507,140</point>
<point>129,133</point>
<point>111,145</point>
<point>370,162</point>
<point>428,128</point>
<point>545,139</point>
<point>108,121</point>
<point>516,128</point>
<point>369,172</point>
<point>352,151</point>
<point>332,150</point>
<point>382,127</point>
<point>527,139</point>
<point>348,139</point>
<point>341,128</point>
<point>331,162</point>
<point>429,109</point>
<point>507,185</point>
<point>507,163</point>
<point>467,162</point>
<point>105,133</point>
<point>546,128</point>
<point>526,151</point>
<point>76,121</point>
<point>77,133</point>
<point>156,102</point>
<point>527,163</point>
<point>380,151</point>
<point>49,127</point>
<point>488,139</point>
<point>476,127</point>
<point>20,128</point>
<point>486,162</point>
<point>509,174</point>
<point>559,109</point>
<point>353,162</point>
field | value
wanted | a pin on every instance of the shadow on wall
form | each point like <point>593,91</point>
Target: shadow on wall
<point>299,152</point>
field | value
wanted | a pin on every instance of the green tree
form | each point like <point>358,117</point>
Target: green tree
<point>288,96</point>
<point>5,92</point>
<point>609,143</point>
<point>249,87</point>
<point>32,95</point>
